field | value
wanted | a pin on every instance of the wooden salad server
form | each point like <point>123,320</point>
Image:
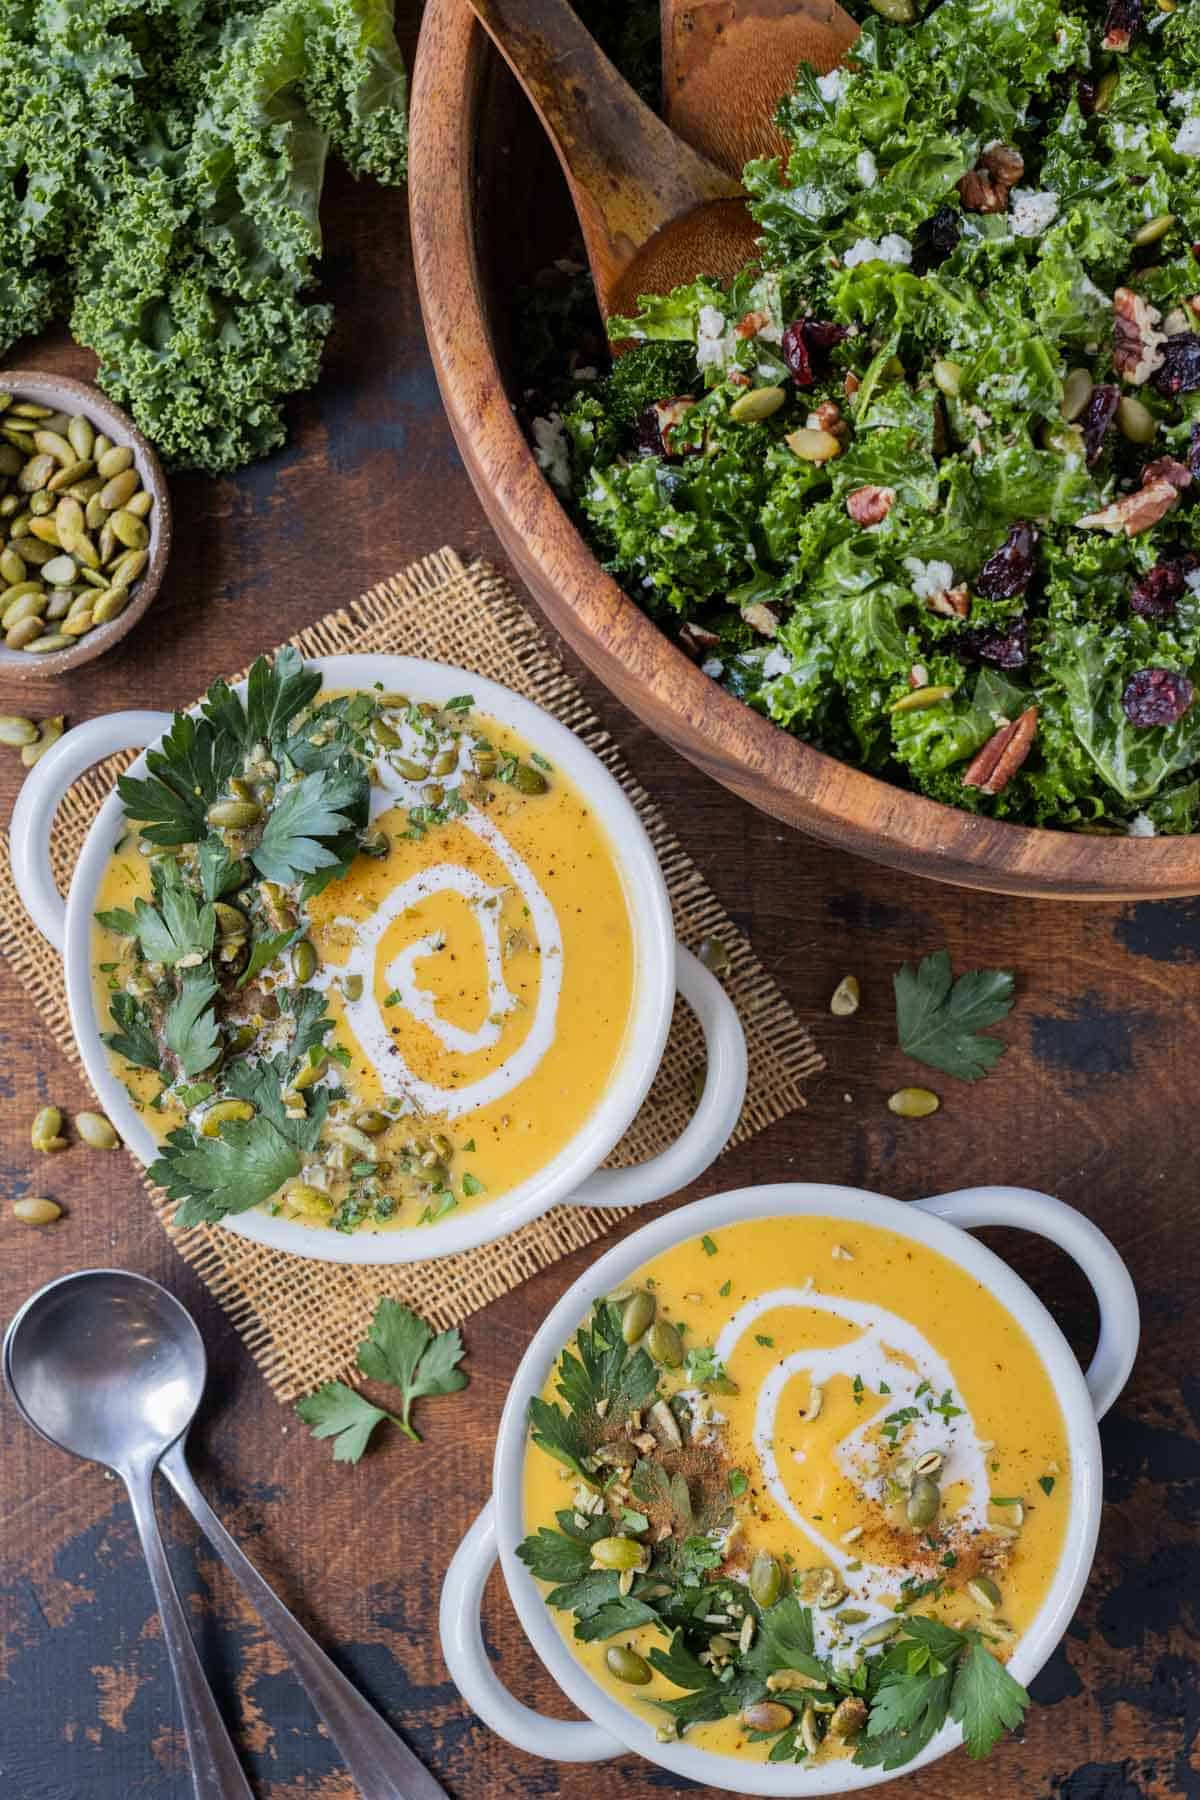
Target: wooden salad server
<point>728,63</point>
<point>654,213</point>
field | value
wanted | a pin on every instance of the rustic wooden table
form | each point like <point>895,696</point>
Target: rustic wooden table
<point>1094,1102</point>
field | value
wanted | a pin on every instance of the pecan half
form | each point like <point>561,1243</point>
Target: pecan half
<point>981,193</point>
<point>1137,342</point>
<point>869,506</point>
<point>1002,755</point>
<point>697,640</point>
<point>750,324</point>
<point>1165,468</point>
<point>1163,481</point>
<point>1003,163</point>
<point>952,603</point>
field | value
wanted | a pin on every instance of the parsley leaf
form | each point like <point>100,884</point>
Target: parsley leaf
<point>339,1412</point>
<point>134,1038</point>
<point>190,1028</point>
<point>184,776</point>
<point>304,828</point>
<point>938,1019</point>
<point>275,693</point>
<point>986,1700</point>
<point>264,950</point>
<point>219,872</point>
<point>784,1640</point>
<point>402,1349</point>
<point>601,1367</point>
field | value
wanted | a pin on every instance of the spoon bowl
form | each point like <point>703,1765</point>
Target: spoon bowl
<point>107,1365</point>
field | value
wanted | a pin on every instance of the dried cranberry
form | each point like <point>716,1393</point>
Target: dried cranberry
<point>1156,594</point>
<point>796,355</point>
<point>1098,415</point>
<point>1157,697</point>
<point>935,240</point>
<point>1009,570</point>
<point>1193,459</point>
<point>1121,21</point>
<point>1003,647</point>
<point>1179,371</point>
<point>806,343</point>
<point>647,433</point>
<point>1085,89</point>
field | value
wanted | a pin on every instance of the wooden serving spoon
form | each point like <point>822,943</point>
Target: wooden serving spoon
<point>728,63</point>
<point>654,213</point>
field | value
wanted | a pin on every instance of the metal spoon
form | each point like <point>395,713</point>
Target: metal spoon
<point>111,1366</point>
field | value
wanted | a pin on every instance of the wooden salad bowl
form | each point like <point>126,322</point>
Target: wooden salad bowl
<point>488,209</point>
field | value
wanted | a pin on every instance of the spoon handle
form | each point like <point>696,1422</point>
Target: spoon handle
<point>381,1764</point>
<point>216,1772</point>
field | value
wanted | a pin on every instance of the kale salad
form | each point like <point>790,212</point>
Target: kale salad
<point>920,485</point>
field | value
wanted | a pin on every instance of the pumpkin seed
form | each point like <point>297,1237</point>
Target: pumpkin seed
<point>627,1665</point>
<point>12,565</point>
<point>714,955</point>
<point>41,505</point>
<point>36,473</point>
<point>848,1717</point>
<point>60,570</point>
<point>129,530</point>
<point>140,504</point>
<point>845,998</point>
<point>1153,229</point>
<point>371,1122</point>
<point>114,461</point>
<point>1135,420</point>
<point>221,1112</point>
<point>121,488</point>
<point>304,961</point>
<point>29,605</point>
<point>60,602</point>
<point>528,780</point>
<point>812,445</point>
<point>1077,391</point>
<point>929,1464</point>
<point>924,1502</point>
<point>617,1553</point>
<point>52,730</point>
<point>31,409</point>
<point>1105,90</point>
<point>879,1634</point>
<point>755,404</point>
<point>638,1315</point>
<point>34,1209</point>
<point>913,1103</point>
<point>96,1131</point>
<point>665,1344</point>
<point>898,12</point>
<point>51,444</point>
<point>809,1736</point>
<point>792,1681</point>
<point>81,435</point>
<point>67,479</point>
<point>984,1592</point>
<point>766,1579</point>
<point>127,568</point>
<point>45,1134</point>
<point>766,1715</point>
<point>352,987</point>
<point>102,445</point>
<point>16,731</point>
<point>95,516</point>
<point>45,646</point>
<point>10,459</point>
<point>312,1073</point>
<point>110,604</point>
<point>234,815</point>
<point>22,635</point>
<point>309,1202</point>
<point>947,377</point>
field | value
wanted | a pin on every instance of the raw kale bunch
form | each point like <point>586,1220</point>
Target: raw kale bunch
<point>161,165</point>
<point>979,273</point>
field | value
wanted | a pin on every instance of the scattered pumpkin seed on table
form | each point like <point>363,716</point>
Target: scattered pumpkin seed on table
<point>74,529</point>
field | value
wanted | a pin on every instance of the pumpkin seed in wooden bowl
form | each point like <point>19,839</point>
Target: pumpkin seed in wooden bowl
<point>85,524</point>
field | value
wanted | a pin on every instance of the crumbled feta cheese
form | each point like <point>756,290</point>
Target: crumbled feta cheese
<point>550,449</point>
<point>978,416</point>
<point>1187,138</point>
<point>589,373</point>
<point>1184,99</point>
<point>929,578</point>
<point>890,249</point>
<point>1129,137</point>
<point>1141,826</point>
<point>714,344</point>
<point>866,168</point>
<point>1032,212</point>
<point>1086,288</point>
<point>831,87</point>
<point>1192,579</point>
<point>776,662</point>
<point>714,668</point>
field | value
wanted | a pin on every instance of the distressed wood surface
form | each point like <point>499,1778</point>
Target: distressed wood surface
<point>1095,1102</point>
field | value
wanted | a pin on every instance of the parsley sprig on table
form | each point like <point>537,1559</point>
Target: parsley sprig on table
<point>939,1021</point>
<point>889,1701</point>
<point>401,1350</point>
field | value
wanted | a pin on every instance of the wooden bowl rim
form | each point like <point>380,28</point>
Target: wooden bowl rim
<point>46,388</point>
<point>804,787</point>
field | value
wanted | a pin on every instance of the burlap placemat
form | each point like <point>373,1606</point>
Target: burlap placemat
<point>302,1321</point>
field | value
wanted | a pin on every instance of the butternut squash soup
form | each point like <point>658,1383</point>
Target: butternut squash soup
<point>797,1491</point>
<point>365,962</point>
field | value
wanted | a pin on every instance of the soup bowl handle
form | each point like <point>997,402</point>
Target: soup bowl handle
<point>1087,1246</point>
<point>563,1740</point>
<point>708,1130</point>
<point>39,798</point>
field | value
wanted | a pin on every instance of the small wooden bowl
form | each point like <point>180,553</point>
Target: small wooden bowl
<point>475,146</point>
<point>69,396</point>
